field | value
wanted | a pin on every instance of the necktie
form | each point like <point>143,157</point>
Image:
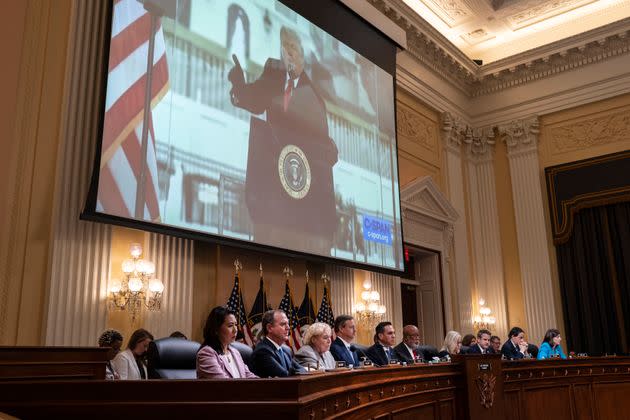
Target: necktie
<point>415,354</point>
<point>283,361</point>
<point>287,93</point>
<point>388,352</point>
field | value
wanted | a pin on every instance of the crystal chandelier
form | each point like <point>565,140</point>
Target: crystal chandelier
<point>369,310</point>
<point>484,320</point>
<point>138,288</point>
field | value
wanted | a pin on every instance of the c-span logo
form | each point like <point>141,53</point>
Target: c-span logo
<point>294,171</point>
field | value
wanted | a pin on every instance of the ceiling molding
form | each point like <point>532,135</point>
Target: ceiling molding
<point>439,55</point>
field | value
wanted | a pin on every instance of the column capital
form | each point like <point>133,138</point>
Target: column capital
<point>521,136</point>
<point>479,144</point>
<point>453,132</point>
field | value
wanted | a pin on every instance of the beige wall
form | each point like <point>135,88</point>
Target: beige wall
<point>34,39</point>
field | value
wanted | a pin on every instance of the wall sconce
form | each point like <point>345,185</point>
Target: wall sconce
<point>137,288</point>
<point>369,311</point>
<point>484,320</point>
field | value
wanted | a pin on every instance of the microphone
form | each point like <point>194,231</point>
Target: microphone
<point>354,348</point>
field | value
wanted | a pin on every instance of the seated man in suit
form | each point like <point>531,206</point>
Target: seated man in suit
<point>516,346</point>
<point>382,352</point>
<point>269,358</point>
<point>342,348</point>
<point>483,343</point>
<point>407,350</point>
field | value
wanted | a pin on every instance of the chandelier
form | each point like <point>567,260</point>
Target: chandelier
<point>484,320</point>
<point>369,310</point>
<point>138,288</point>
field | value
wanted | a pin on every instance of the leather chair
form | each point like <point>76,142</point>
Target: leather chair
<point>245,351</point>
<point>173,358</point>
<point>428,351</point>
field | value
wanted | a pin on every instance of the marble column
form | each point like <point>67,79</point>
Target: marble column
<point>521,138</point>
<point>452,139</point>
<point>484,216</point>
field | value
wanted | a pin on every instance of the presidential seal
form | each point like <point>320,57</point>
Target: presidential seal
<point>294,171</point>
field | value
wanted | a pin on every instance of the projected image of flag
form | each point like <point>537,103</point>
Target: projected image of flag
<point>124,162</point>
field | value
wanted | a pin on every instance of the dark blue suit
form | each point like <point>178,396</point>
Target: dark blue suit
<point>377,355</point>
<point>268,362</point>
<point>341,353</point>
<point>510,351</point>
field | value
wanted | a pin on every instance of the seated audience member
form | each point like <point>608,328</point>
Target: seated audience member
<point>483,343</point>
<point>382,352</point>
<point>407,349</point>
<point>269,358</point>
<point>469,340</point>
<point>516,346</point>
<point>130,364</point>
<point>113,339</point>
<point>495,345</point>
<point>341,348</point>
<point>216,358</point>
<point>178,334</point>
<point>315,352</point>
<point>550,346</point>
<point>452,344</point>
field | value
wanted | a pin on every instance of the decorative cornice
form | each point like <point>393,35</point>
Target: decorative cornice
<point>439,55</point>
<point>520,136</point>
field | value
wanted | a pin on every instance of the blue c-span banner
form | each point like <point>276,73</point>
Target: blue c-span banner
<point>377,230</point>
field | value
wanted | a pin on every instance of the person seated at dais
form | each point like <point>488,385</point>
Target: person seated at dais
<point>113,339</point>
<point>382,352</point>
<point>315,352</point>
<point>407,350</point>
<point>269,358</point>
<point>216,358</point>
<point>516,346</point>
<point>550,346</point>
<point>483,343</point>
<point>130,364</point>
<point>452,344</point>
<point>341,348</point>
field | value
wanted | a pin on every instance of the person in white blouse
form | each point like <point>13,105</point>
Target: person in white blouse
<point>315,353</point>
<point>130,363</point>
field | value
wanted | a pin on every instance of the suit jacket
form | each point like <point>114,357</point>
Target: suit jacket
<point>304,125</point>
<point>126,366</point>
<point>340,352</point>
<point>211,366</point>
<point>476,349</point>
<point>402,354</point>
<point>308,357</point>
<point>267,362</point>
<point>510,351</point>
<point>376,354</point>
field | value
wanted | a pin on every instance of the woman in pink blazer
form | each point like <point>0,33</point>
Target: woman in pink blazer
<point>217,359</point>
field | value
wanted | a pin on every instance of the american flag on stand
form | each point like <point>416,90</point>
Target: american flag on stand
<point>121,160</point>
<point>286,304</point>
<point>325,313</point>
<point>235,304</point>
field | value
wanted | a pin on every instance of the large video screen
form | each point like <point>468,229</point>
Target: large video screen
<point>243,120</point>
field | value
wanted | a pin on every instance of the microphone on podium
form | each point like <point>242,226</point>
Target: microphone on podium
<point>365,358</point>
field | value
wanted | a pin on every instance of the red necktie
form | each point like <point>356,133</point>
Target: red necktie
<point>415,354</point>
<point>287,93</point>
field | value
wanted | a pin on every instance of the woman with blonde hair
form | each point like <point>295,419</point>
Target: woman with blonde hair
<point>315,353</point>
<point>452,344</point>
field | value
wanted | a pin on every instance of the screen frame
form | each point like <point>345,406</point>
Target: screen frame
<point>89,212</point>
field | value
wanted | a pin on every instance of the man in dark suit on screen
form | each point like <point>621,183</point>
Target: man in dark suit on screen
<point>289,187</point>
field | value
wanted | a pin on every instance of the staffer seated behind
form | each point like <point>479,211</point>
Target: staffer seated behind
<point>382,352</point>
<point>550,346</point>
<point>452,344</point>
<point>483,343</point>
<point>113,339</point>
<point>469,340</point>
<point>130,364</point>
<point>315,352</point>
<point>495,345</point>
<point>407,350</point>
<point>269,358</point>
<point>216,358</point>
<point>341,348</point>
<point>516,346</point>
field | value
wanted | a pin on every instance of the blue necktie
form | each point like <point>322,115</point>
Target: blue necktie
<point>283,361</point>
<point>388,352</point>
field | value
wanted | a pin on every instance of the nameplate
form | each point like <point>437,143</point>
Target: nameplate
<point>367,363</point>
<point>393,362</point>
<point>341,364</point>
<point>484,367</point>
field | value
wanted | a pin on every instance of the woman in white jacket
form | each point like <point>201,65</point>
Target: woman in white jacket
<point>129,364</point>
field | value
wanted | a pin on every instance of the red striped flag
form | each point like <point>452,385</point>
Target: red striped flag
<point>121,160</point>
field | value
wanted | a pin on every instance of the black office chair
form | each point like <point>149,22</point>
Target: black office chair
<point>533,350</point>
<point>173,358</point>
<point>245,351</point>
<point>428,351</point>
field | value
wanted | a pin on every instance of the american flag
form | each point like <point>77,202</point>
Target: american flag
<point>235,304</point>
<point>325,313</point>
<point>121,160</point>
<point>286,304</point>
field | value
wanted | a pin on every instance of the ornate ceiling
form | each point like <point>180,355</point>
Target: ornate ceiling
<point>492,30</point>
